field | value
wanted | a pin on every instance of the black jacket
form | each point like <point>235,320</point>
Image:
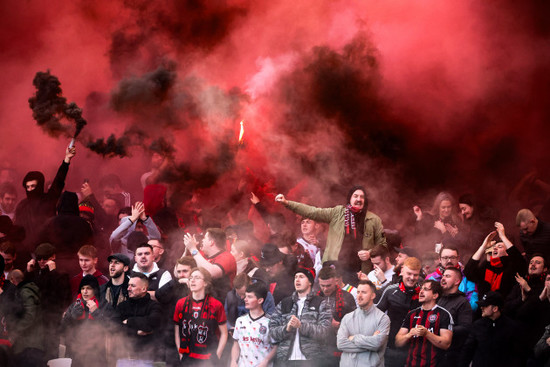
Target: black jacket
<point>141,314</point>
<point>32,212</point>
<point>494,343</point>
<point>512,264</point>
<point>397,303</point>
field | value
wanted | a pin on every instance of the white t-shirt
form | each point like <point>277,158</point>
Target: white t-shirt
<point>297,354</point>
<point>388,274</point>
<point>253,338</point>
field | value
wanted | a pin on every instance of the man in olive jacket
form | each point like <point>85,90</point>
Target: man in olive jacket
<point>353,230</point>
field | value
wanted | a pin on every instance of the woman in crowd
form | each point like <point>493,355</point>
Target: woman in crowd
<point>201,323</point>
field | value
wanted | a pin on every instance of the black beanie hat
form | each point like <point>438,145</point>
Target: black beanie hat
<point>467,199</point>
<point>90,280</point>
<point>355,188</point>
<point>308,272</point>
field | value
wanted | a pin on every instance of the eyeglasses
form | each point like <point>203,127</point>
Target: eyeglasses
<point>445,258</point>
<point>196,278</point>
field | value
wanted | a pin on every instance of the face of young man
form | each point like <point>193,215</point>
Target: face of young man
<point>87,292</point>
<point>307,227</point>
<point>183,271</point>
<point>365,296</point>
<point>499,250</point>
<point>380,262</point>
<point>196,281</point>
<point>301,283</point>
<point>8,261</point>
<point>137,288</point>
<point>536,265</point>
<point>488,311</point>
<point>144,259</point>
<point>8,202</point>
<point>448,258</point>
<point>357,199</point>
<point>43,261</point>
<point>31,185</point>
<point>426,295</point>
<point>158,249</point>
<point>449,280</point>
<point>238,255</point>
<point>251,302</point>
<point>116,268</point>
<point>241,291</point>
<point>328,286</point>
<point>208,244</point>
<point>274,269</point>
<point>400,259</point>
<point>87,263</point>
<point>410,277</point>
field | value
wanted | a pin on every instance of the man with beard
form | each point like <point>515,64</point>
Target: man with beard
<point>449,258</point>
<point>396,300</point>
<point>363,333</point>
<point>115,290</point>
<point>454,301</point>
<point>353,230</point>
<point>427,329</point>
<point>8,199</point>
<point>113,293</point>
<point>32,212</point>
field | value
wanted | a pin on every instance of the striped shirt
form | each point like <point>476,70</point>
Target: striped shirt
<point>421,351</point>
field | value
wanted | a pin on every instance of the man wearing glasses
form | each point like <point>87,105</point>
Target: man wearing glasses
<point>449,258</point>
<point>427,329</point>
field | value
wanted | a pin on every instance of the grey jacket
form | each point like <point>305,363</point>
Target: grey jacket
<point>366,349</point>
<point>316,323</point>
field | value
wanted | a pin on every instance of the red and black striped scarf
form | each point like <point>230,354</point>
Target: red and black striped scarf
<point>339,303</point>
<point>349,219</point>
<point>2,280</point>
<point>404,289</point>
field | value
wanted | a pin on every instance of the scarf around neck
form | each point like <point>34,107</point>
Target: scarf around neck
<point>349,219</point>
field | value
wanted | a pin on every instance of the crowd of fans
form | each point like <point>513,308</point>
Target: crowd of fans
<point>105,280</point>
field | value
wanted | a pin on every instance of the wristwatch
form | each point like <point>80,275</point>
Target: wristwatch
<point>194,252</point>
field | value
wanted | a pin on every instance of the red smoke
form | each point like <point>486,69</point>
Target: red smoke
<point>405,97</point>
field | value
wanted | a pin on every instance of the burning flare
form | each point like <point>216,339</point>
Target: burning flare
<point>241,134</point>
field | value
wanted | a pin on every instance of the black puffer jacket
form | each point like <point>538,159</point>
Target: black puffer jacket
<point>316,319</point>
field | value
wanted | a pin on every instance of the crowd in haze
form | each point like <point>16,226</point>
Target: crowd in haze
<point>102,278</point>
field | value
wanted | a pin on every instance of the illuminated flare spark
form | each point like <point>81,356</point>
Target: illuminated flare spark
<point>241,133</point>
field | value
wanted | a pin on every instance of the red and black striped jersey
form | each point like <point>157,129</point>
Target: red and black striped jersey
<point>422,353</point>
